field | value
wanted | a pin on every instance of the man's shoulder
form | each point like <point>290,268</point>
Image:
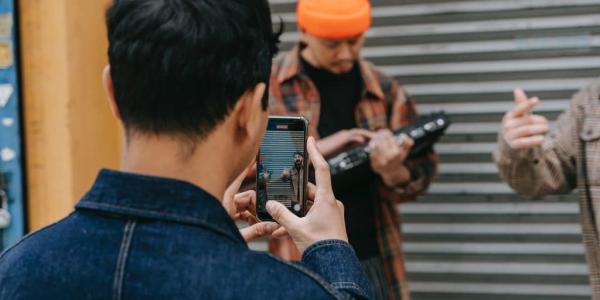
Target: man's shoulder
<point>596,83</point>
<point>282,62</point>
<point>279,59</point>
<point>26,266</point>
<point>588,95</point>
<point>27,244</point>
<point>594,88</point>
<point>76,231</point>
<point>385,81</point>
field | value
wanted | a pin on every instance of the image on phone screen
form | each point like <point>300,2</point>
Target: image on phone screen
<point>281,166</point>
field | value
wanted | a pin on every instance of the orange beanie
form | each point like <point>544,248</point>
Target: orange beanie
<point>334,19</point>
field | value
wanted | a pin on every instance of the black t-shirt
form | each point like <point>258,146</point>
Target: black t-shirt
<point>339,95</point>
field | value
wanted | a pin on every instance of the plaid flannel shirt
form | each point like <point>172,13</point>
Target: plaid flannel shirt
<point>384,104</point>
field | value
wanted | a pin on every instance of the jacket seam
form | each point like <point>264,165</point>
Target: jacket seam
<point>122,260</point>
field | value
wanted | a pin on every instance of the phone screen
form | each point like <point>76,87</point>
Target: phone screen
<point>281,166</point>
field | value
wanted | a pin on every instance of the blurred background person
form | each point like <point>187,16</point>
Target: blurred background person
<point>536,161</point>
<point>348,102</point>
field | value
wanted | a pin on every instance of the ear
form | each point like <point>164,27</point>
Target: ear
<point>249,109</point>
<point>110,91</point>
<point>304,37</point>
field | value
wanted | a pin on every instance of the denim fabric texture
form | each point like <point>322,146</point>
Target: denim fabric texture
<point>143,237</point>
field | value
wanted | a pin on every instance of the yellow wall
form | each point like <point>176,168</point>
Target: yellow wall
<point>69,131</point>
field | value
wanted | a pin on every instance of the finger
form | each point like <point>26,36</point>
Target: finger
<point>247,217</point>
<point>510,123</point>
<point>238,181</point>
<point>396,163</point>
<point>361,136</point>
<point>386,145</point>
<point>382,143</point>
<point>390,139</point>
<point>311,191</point>
<point>379,136</point>
<point>527,142</point>
<point>358,139</point>
<point>390,149</point>
<point>520,96</point>
<point>404,138</point>
<point>281,214</point>
<point>309,204</point>
<point>407,143</point>
<point>364,133</point>
<point>397,157</point>
<point>252,168</point>
<point>536,119</point>
<point>383,153</point>
<point>400,158</point>
<point>340,205</point>
<point>385,133</point>
<point>258,230</point>
<point>377,155</point>
<point>235,185</point>
<point>526,120</point>
<point>322,174</point>
<point>524,108</point>
<point>245,201</point>
<point>280,233</point>
<point>526,131</point>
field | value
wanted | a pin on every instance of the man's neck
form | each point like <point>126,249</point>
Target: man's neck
<point>164,157</point>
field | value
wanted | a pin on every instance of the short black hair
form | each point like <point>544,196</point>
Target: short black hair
<point>179,66</point>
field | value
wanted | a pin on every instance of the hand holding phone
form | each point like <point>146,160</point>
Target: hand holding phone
<point>242,207</point>
<point>325,219</point>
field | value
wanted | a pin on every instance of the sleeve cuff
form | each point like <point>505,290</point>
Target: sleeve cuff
<point>336,262</point>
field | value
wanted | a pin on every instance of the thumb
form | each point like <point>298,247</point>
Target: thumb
<point>406,142</point>
<point>281,214</point>
<point>258,230</point>
<point>520,96</point>
<point>358,139</point>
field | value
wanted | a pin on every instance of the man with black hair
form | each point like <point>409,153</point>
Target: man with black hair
<point>187,80</point>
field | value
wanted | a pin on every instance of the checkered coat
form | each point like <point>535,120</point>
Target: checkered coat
<point>568,159</point>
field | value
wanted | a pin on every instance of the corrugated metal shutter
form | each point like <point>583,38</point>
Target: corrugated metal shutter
<point>471,237</point>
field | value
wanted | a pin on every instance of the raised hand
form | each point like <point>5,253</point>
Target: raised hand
<point>520,128</point>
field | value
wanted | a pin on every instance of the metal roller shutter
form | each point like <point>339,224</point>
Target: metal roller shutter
<point>471,237</point>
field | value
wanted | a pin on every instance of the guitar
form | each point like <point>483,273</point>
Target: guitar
<point>426,131</point>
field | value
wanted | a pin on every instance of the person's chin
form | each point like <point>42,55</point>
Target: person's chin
<point>342,69</point>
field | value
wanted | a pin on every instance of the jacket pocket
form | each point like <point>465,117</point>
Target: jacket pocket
<point>590,131</point>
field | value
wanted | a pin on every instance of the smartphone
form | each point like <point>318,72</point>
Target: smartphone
<point>282,166</point>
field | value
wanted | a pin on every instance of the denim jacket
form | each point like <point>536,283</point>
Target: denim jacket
<point>142,237</point>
